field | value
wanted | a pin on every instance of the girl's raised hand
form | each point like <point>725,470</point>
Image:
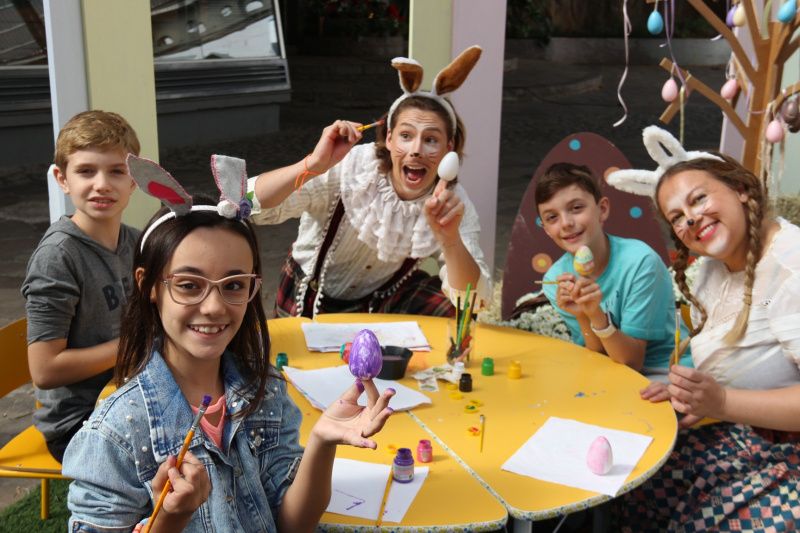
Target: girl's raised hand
<point>695,394</point>
<point>334,143</point>
<point>346,422</point>
<point>190,486</point>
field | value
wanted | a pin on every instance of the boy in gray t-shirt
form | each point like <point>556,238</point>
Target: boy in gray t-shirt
<point>79,276</point>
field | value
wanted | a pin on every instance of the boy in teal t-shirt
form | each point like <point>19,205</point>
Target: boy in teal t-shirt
<point>626,307</point>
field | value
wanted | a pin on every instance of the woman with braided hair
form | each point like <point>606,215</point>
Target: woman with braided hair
<point>740,473</point>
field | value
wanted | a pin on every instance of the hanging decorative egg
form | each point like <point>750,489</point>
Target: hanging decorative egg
<point>739,17</point>
<point>729,16</point>
<point>730,89</point>
<point>787,11</point>
<point>655,23</point>
<point>774,132</point>
<point>789,111</point>
<point>366,358</point>
<point>669,92</point>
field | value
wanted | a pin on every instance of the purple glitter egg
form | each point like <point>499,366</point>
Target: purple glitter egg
<point>366,359</point>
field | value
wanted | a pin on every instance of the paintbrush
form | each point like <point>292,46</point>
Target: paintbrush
<point>365,127</point>
<point>384,499</point>
<point>167,486</point>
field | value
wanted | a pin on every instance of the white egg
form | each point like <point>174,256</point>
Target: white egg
<point>448,166</point>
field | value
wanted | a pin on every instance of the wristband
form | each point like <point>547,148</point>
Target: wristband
<point>305,174</point>
<point>607,331</point>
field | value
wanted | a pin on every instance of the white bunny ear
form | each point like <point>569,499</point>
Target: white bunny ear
<point>410,73</point>
<point>641,182</point>
<point>159,183</point>
<point>665,150</point>
<point>230,173</point>
<point>663,147</point>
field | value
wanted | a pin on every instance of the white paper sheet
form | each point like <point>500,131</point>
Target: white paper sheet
<point>357,490</point>
<point>323,386</point>
<point>557,453</point>
<point>330,337</point>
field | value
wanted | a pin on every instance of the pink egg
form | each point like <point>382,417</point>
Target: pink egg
<point>730,89</point>
<point>669,92</point>
<point>774,132</point>
<point>600,459</point>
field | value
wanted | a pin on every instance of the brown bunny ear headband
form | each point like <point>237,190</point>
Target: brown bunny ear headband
<point>447,80</point>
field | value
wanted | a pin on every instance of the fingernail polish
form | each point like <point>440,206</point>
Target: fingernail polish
<point>390,409</point>
<point>392,389</point>
<point>359,385</point>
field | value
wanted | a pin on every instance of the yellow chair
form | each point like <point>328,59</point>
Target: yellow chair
<point>26,455</point>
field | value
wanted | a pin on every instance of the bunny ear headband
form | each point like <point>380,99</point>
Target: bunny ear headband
<point>447,80</point>
<point>229,174</point>
<point>666,151</point>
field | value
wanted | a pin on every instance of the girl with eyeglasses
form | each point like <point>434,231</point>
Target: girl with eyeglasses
<point>195,326</point>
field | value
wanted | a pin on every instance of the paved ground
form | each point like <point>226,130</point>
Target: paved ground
<point>543,103</point>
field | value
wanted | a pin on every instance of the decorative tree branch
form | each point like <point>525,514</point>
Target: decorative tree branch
<point>693,83</point>
<point>723,30</point>
<point>789,50</point>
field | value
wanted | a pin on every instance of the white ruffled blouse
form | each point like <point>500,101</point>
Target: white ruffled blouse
<point>768,354</point>
<point>378,232</point>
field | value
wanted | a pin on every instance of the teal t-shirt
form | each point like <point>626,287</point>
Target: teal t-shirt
<point>637,293</point>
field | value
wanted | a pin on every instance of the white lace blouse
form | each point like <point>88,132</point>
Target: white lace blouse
<point>768,354</point>
<point>378,232</point>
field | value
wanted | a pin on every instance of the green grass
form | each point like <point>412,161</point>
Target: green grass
<point>24,514</point>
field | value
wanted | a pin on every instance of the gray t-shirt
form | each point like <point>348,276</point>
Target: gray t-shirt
<point>75,289</point>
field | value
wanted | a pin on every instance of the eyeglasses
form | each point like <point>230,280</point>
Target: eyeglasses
<point>191,289</point>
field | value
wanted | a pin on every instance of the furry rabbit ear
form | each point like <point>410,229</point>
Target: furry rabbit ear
<point>663,147</point>
<point>410,73</point>
<point>453,75</point>
<point>230,173</point>
<point>159,183</point>
<point>641,182</point>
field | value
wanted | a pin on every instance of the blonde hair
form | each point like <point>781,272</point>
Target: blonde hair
<point>741,180</point>
<point>94,129</point>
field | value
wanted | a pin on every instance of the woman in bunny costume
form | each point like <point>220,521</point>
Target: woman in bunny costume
<point>740,473</point>
<point>369,214</point>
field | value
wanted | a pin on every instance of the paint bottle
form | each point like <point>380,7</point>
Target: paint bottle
<point>281,360</point>
<point>424,451</point>
<point>458,369</point>
<point>487,366</point>
<point>515,370</point>
<point>465,383</point>
<point>403,466</point>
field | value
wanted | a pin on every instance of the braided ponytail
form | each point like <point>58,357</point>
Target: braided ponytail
<point>754,219</point>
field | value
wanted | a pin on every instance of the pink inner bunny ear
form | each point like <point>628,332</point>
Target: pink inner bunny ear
<point>230,173</point>
<point>159,183</point>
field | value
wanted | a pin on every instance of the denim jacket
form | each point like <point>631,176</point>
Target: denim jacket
<point>116,454</point>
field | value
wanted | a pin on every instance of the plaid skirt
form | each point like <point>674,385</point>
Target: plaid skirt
<point>419,293</point>
<point>721,477</point>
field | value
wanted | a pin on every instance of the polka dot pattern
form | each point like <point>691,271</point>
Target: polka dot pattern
<point>541,262</point>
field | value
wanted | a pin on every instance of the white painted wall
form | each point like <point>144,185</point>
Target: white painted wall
<point>69,93</point>
<point>479,102</point>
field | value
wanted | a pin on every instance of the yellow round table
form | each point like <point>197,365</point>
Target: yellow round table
<point>440,504</point>
<point>558,379</point>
